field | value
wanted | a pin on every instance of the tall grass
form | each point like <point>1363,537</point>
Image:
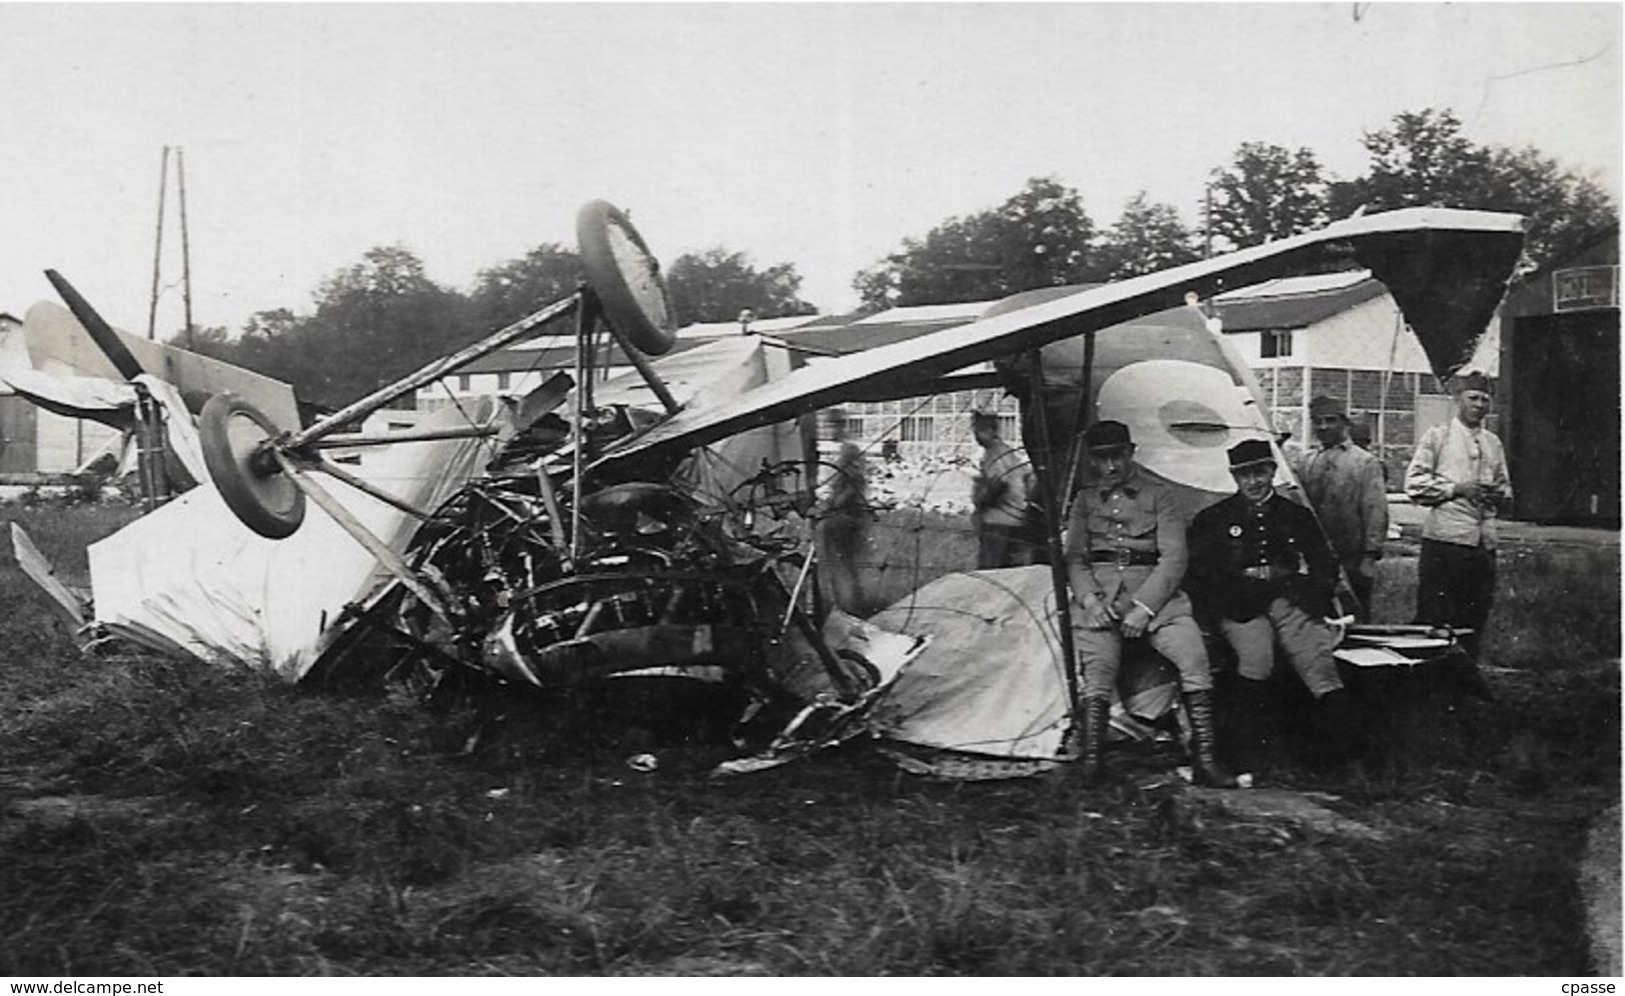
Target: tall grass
<point>165,818</point>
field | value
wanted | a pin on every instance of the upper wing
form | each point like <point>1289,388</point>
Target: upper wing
<point>1447,269</point>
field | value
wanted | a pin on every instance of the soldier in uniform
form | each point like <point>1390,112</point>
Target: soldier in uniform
<point>1345,484</point>
<point>1125,559</point>
<point>1262,570</point>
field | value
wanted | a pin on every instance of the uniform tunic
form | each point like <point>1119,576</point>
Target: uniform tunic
<point>1265,574</point>
<point>1126,544</point>
<point>1345,485</point>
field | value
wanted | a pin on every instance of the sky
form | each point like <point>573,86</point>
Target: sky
<point>820,135</point>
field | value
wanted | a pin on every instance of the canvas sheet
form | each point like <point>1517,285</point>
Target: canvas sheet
<point>189,578</point>
<point>990,680</point>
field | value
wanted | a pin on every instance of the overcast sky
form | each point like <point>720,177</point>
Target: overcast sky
<point>814,134</point>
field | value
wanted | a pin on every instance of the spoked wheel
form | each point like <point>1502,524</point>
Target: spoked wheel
<point>235,435</point>
<point>626,277</point>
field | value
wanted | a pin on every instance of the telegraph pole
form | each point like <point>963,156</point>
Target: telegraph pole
<point>186,244</point>
<point>158,244</point>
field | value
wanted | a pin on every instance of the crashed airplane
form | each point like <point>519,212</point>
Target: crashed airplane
<point>662,522</point>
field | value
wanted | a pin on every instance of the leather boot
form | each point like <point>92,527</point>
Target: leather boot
<point>1095,712</point>
<point>1342,738</point>
<point>1205,769</point>
<point>1246,747</point>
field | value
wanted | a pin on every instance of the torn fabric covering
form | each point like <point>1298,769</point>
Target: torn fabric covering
<point>990,681</point>
<point>708,376</point>
<point>190,578</point>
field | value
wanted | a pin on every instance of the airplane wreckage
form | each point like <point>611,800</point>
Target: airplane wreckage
<point>662,523</point>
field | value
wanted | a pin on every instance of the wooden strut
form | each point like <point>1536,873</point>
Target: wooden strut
<point>366,487</point>
<point>1052,533</point>
<point>390,560</point>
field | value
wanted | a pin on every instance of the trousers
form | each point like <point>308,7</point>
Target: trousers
<point>1307,642</point>
<point>1455,585</point>
<point>1177,638</point>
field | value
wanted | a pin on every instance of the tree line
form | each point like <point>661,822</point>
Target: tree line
<point>382,318</point>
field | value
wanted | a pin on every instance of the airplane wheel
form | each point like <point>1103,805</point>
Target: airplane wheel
<point>626,277</point>
<point>262,497</point>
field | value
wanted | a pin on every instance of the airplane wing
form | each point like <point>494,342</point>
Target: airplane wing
<point>1446,268</point>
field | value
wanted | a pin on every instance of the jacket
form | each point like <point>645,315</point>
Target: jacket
<point>1244,557</point>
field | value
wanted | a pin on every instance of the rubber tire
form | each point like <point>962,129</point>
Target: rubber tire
<point>626,277</point>
<point>231,431</point>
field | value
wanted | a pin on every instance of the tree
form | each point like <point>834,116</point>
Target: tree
<point>1148,237</point>
<point>374,322</point>
<point>1423,159</point>
<point>1267,193</point>
<point>717,284</point>
<point>1041,237</point>
<point>508,292</point>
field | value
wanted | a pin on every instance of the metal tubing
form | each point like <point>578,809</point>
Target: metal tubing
<point>647,370</point>
<point>419,436</point>
<point>555,523</point>
<point>586,318</point>
<point>430,373</point>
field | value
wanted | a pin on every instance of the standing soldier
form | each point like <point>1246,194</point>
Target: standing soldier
<point>1459,473</point>
<point>1345,485</point>
<point>1125,559</point>
<point>1261,568</point>
<point>999,494</point>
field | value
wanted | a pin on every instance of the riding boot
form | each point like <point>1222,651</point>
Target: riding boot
<point>1095,713</point>
<point>1205,768</point>
<point>1247,742</point>
<point>1342,738</point>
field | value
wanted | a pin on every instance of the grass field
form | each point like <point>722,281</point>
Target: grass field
<point>162,818</point>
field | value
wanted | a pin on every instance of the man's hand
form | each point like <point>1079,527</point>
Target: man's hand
<point>1096,613</point>
<point>1135,622</point>
<point>1466,489</point>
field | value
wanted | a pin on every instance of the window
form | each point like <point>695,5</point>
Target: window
<point>504,378</point>
<point>465,382</point>
<point>1275,344</point>
<point>918,429</point>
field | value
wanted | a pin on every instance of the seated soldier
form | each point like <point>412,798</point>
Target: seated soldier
<point>1125,558</point>
<point>1262,569</point>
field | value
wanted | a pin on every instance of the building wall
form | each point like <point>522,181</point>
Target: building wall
<point>1368,358</point>
<point>63,444</point>
<point>934,427</point>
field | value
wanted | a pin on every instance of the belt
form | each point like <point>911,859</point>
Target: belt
<point>1265,572</point>
<point>1123,558</point>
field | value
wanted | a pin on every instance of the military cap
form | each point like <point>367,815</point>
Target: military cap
<point>1106,436</point>
<point>1325,405</point>
<point>1249,453</point>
